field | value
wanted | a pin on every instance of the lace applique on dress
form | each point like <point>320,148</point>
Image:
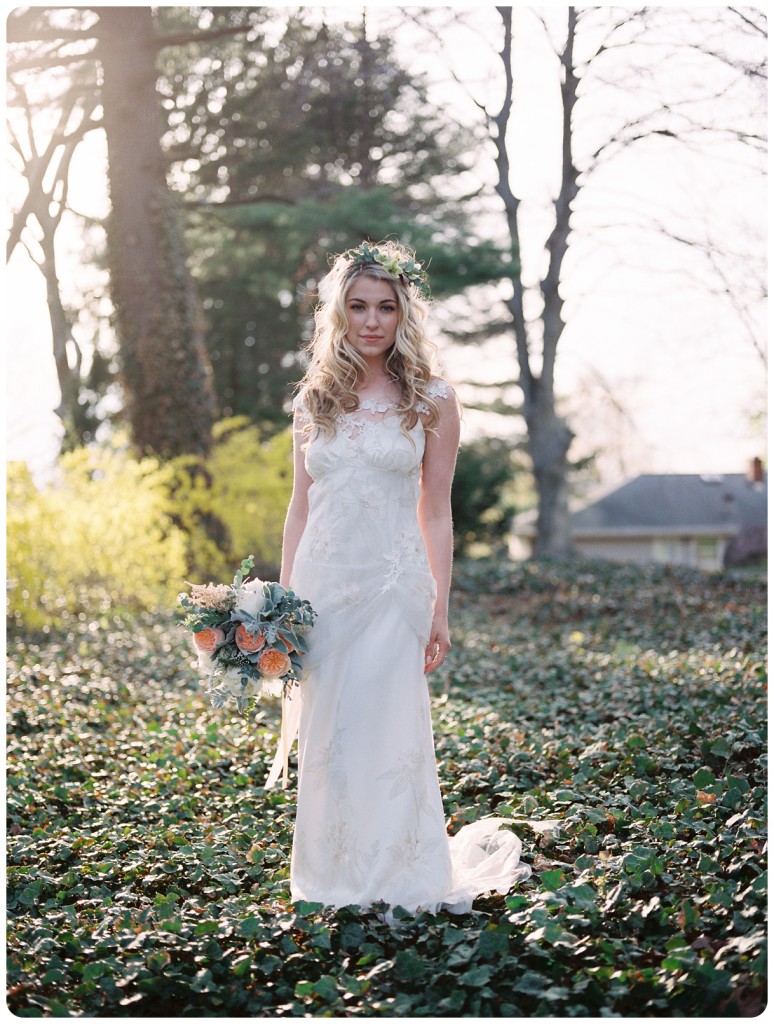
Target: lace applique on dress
<point>436,388</point>
<point>371,405</point>
<point>371,411</point>
<point>299,407</point>
<point>375,410</point>
<point>405,554</point>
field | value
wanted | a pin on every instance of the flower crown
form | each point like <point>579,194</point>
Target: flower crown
<point>408,270</point>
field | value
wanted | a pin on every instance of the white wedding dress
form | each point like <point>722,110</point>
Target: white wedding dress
<point>370,824</point>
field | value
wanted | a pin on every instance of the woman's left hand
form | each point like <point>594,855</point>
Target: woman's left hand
<point>439,644</point>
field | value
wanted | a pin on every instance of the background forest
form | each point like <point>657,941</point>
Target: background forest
<point>586,187</point>
<point>246,144</point>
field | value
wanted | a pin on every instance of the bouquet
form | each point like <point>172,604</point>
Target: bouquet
<point>250,637</point>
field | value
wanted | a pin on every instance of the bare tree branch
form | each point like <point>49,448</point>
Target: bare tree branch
<point>38,261</point>
<point>760,29</point>
<point>15,143</point>
<point>413,17</point>
<point>729,291</point>
<point>66,37</point>
<point>606,43</point>
<point>740,310</point>
<point>42,35</point>
<point>558,241</point>
<point>38,64</point>
<point>499,127</point>
<point>38,164</point>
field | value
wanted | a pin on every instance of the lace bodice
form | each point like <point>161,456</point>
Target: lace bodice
<point>362,528</point>
<point>373,411</point>
<point>370,435</point>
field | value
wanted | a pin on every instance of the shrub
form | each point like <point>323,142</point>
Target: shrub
<point>101,536</point>
<point>480,509</point>
<point>233,503</point>
<point>114,531</point>
<point>253,480</point>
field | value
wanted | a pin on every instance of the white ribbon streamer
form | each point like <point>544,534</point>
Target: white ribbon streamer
<point>291,714</point>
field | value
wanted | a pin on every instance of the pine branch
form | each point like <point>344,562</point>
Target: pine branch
<point>247,201</point>
<point>184,38</point>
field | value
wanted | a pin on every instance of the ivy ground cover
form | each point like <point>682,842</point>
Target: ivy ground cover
<point>616,715</point>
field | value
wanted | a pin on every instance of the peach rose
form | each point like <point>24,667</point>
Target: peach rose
<point>248,642</point>
<point>209,638</point>
<point>273,663</point>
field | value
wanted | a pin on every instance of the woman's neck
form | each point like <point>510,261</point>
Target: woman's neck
<point>375,379</point>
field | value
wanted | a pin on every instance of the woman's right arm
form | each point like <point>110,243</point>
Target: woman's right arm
<point>295,521</point>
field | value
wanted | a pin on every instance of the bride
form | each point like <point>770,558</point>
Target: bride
<point>368,540</point>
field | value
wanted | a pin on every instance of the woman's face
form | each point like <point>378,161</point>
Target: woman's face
<point>372,316</point>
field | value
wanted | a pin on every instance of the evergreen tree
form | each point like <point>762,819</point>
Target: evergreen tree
<point>294,150</point>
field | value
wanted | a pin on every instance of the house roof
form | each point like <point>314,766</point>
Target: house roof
<point>662,502</point>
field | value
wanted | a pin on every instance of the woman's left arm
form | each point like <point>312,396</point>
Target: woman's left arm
<point>435,520</point>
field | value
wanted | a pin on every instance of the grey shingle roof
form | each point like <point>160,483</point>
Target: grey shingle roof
<point>682,500</point>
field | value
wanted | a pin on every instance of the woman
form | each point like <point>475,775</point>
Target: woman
<point>368,540</point>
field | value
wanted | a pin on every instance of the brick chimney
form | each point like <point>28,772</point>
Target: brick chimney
<point>755,471</point>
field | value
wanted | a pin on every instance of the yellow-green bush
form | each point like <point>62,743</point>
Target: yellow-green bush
<point>233,503</point>
<point>100,537</point>
<point>115,531</point>
<point>253,479</point>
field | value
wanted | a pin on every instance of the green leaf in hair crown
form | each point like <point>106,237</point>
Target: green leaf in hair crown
<point>408,270</point>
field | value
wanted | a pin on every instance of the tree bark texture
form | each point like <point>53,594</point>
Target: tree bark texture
<point>548,435</point>
<point>548,441</point>
<point>165,369</point>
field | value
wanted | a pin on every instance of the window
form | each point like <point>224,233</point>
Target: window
<point>707,553</point>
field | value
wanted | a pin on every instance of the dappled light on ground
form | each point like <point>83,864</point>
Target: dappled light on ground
<point>615,714</point>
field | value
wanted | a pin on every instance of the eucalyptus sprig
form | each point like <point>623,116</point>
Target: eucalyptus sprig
<point>244,570</point>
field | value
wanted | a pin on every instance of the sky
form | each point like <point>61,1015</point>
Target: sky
<point>656,374</point>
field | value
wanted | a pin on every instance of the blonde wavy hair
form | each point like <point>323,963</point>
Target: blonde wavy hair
<point>328,386</point>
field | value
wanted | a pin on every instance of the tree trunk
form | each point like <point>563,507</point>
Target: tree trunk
<point>61,335</point>
<point>548,441</point>
<point>548,436</point>
<point>165,369</point>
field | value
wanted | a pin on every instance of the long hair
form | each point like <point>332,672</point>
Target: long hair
<point>328,385</point>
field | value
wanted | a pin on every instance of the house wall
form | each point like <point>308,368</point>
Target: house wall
<point>698,552</point>
<point>629,549</point>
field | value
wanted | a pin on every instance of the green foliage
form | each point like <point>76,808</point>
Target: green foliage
<point>319,109</point>
<point>100,536</point>
<point>257,270</point>
<point>252,474</point>
<point>294,148</point>
<point>615,714</point>
<point>115,532</point>
<point>485,468</point>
